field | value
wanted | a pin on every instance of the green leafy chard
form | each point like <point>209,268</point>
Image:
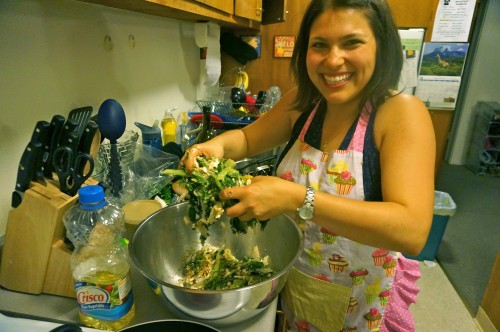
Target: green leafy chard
<point>212,268</point>
<point>209,177</point>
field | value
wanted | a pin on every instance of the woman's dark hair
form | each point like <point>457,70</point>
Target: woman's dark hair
<point>389,56</point>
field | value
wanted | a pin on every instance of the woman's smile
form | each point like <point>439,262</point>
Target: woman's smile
<point>337,80</point>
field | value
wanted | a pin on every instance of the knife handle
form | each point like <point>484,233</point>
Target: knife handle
<point>87,137</point>
<point>41,134</point>
<point>70,126</point>
<point>27,170</point>
<point>89,143</point>
<point>56,126</point>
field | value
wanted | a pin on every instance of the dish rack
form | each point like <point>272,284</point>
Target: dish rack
<point>233,118</point>
<point>252,110</point>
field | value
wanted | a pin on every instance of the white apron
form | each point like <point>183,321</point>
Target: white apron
<point>337,284</point>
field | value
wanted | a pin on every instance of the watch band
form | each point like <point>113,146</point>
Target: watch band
<point>306,211</point>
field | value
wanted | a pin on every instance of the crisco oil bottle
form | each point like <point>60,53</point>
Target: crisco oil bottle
<point>168,127</point>
<point>100,262</point>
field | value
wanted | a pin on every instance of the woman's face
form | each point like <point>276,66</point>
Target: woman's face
<point>341,54</point>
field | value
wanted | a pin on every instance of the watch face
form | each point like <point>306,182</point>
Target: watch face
<point>306,212</point>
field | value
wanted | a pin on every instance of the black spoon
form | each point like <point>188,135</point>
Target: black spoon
<point>112,124</point>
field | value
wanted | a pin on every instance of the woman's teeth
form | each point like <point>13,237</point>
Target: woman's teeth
<point>337,79</point>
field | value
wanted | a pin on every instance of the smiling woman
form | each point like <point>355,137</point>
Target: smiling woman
<point>351,141</point>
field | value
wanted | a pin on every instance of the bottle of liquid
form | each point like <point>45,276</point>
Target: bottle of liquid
<point>206,132</point>
<point>169,127</point>
<point>151,135</point>
<point>100,262</point>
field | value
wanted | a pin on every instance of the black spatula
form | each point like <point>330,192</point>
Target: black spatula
<point>82,115</point>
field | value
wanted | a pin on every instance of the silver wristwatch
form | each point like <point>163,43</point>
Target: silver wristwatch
<point>306,211</point>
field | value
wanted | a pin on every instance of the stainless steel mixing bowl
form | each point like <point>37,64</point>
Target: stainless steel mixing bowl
<point>162,241</point>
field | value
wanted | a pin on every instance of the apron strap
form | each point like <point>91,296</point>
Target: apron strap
<point>302,134</point>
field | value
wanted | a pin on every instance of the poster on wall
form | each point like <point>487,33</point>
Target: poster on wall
<point>412,41</point>
<point>453,20</point>
<point>283,46</point>
<point>440,73</point>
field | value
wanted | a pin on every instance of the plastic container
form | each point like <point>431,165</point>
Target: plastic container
<point>444,208</point>
<point>100,262</point>
<point>169,127</point>
<point>151,135</point>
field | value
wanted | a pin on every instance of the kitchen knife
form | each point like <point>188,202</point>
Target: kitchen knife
<point>70,126</point>
<point>87,137</point>
<point>89,143</point>
<point>31,156</point>
<point>56,126</point>
<point>41,134</point>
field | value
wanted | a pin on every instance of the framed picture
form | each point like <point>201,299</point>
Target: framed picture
<point>254,41</point>
<point>283,46</point>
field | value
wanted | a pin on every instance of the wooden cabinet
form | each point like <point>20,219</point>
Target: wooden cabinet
<point>218,11</point>
<point>441,120</point>
<point>251,9</point>
<point>412,14</point>
<point>226,6</point>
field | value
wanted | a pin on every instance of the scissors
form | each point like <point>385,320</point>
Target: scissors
<point>70,168</point>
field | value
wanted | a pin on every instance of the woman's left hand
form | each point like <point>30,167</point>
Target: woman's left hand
<point>263,198</point>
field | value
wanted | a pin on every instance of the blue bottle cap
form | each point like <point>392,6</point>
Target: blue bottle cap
<point>91,197</point>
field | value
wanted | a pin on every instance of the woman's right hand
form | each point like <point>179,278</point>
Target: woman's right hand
<point>207,149</point>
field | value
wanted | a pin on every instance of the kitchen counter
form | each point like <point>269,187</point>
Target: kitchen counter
<point>149,307</point>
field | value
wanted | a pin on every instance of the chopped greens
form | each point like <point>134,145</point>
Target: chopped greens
<point>212,268</point>
<point>208,178</point>
<point>166,193</point>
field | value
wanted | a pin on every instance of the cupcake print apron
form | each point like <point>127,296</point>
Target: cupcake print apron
<point>338,284</point>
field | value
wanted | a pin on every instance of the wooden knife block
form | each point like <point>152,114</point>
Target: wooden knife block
<point>35,258</point>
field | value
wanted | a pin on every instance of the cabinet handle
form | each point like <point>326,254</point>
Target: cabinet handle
<point>258,11</point>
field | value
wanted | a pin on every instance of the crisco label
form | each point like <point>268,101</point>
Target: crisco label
<point>107,301</point>
<point>92,296</point>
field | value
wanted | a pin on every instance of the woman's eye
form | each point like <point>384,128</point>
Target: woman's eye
<point>353,42</point>
<point>318,45</point>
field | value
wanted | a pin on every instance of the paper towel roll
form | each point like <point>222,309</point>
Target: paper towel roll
<point>208,35</point>
<point>213,62</point>
<point>201,34</point>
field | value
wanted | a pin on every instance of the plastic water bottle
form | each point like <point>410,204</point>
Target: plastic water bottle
<point>91,209</point>
<point>151,135</point>
<point>100,262</point>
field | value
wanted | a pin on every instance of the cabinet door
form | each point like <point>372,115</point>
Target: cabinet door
<point>251,9</point>
<point>413,14</point>
<point>223,5</point>
<point>274,11</point>
<point>441,120</point>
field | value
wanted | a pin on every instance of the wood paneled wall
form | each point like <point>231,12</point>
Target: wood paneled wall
<point>268,71</point>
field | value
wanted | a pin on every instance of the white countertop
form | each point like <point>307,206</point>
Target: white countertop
<point>149,307</point>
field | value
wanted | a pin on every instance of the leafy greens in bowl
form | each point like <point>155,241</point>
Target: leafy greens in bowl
<point>203,184</point>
